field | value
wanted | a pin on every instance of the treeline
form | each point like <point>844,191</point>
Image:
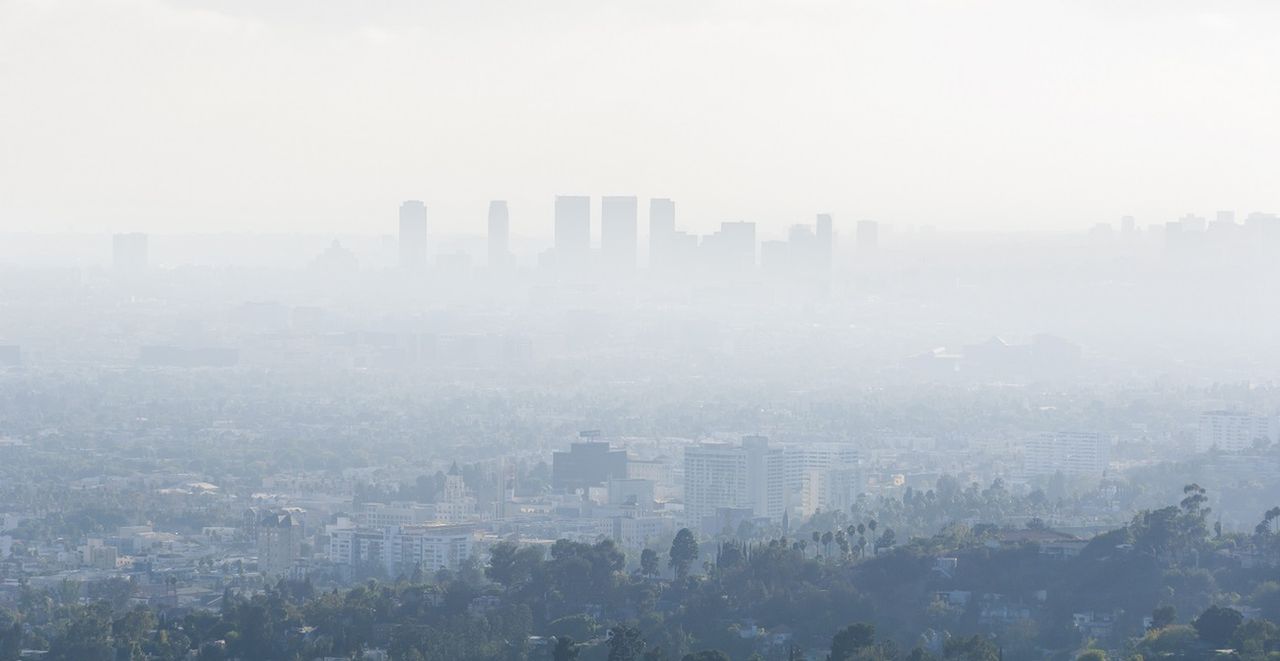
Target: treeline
<point>1169,584</point>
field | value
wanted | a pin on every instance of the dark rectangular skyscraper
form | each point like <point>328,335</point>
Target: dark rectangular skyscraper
<point>573,232</point>
<point>662,230</point>
<point>129,252</point>
<point>499,235</point>
<point>618,232</point>
<point>413,234</point>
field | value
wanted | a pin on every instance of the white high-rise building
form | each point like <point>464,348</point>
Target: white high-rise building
<point>1071,453</point>
<point>825,476</point>
<point>1231,431</point>
<point>803,458</point>
<point>413,234</point>
<point>722,475</point>
<point>766,477</point>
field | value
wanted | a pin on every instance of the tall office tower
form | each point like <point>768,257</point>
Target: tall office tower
<point>662,230</point>
<point>868,237</point>
<point>573,232</point>
<point>129,252</point>
<point>720,476</point>
<point>413,234</point>
<point>715,476</point>
<point>279,541</point>
<point>826,476</point>
<point>826,241</point>
<point>499,235</point>
<point>1071,453</point>
<point>618,233</point>
<point>1127,225</point>
<point>766,477</point>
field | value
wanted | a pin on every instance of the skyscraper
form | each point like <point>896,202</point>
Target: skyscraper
<point>618,232</point>
<point>499,235</point>
<point>573,232</point>
<point>826,241</point>
<point>129,252</point>
<point>662,229</point>
<point>413,234</point>
<point>868,237</point>
<point>750,476</point>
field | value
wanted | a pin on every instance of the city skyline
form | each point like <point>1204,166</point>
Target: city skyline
<point>257,116</point>
<point>647,330</point>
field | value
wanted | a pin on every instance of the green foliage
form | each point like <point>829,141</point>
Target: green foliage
<point>684,551</point>
<point>511,565</point>
<point>1217,624</point>
<point>973,648</point>
<point>565,649</point>
<point>625,644</point>
<point>649,562</point>
<point>851,640</point>
<point>1157,564</point>
<point>1163,616</point>
<point>706,655</point>
<point>1178,639</point>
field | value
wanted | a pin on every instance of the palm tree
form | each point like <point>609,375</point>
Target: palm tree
<point>1270,515</point>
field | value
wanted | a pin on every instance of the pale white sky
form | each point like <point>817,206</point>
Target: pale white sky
<point>201,115</point>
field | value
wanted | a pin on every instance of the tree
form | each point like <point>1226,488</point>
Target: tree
<point>649,562</point>
<point>887,539</point>
<point>87,636</point>
<point>11,641</point>
<point>684,550</point>
<point>1092,655</point>
<point>1216,625</point>
<point>1252,638</point>
<point>1265,528</point>
<point>1163,616</point>
<point>565,649</point>
<point>974,648</point>
<point>847,642</point>
<point>706,655</point>
<point>625,644</point>
<point>511,564</point>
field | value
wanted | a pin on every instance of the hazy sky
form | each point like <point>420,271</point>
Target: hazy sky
<point>173,115</point>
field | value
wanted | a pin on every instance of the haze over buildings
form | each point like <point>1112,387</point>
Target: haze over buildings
<point>666,330</point>
<point>999,115</point>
